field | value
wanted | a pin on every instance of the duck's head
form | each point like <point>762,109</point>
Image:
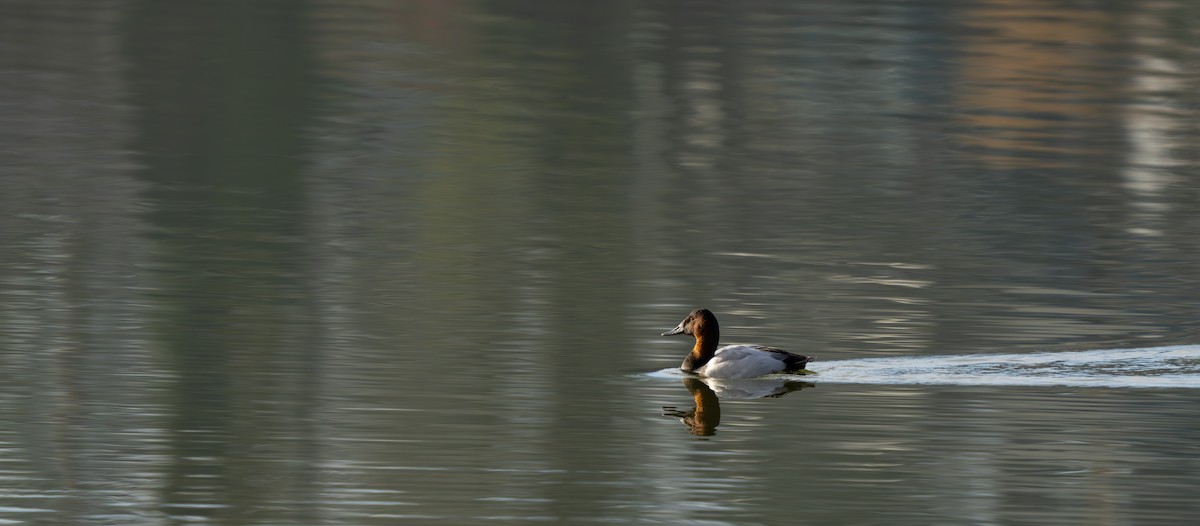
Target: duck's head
<point>698,322</point>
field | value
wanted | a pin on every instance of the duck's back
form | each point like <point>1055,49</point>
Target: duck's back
<point>748,361</point>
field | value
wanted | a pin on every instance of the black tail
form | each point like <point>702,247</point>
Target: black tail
<point>795,362</point>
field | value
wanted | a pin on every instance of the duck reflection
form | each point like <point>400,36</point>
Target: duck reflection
<point>703,419</point>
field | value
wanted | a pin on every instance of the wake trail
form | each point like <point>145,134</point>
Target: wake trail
<point>1161,367</point>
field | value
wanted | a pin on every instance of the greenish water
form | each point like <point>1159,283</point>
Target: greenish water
<point>407,262</point>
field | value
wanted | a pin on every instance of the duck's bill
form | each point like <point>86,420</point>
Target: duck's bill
<point>677,330</point>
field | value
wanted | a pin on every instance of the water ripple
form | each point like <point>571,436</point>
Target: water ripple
<point>1162,367</point>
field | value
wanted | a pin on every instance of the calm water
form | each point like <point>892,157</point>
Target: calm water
<point>367,262</point>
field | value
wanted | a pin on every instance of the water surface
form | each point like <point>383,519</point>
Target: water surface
<point>406,262</point>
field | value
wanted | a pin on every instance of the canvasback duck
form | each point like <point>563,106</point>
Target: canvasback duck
<point>730,361</point>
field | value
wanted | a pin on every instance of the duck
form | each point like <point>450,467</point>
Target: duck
<point>710,360</point>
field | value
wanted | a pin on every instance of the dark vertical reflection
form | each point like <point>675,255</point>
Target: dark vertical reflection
<point>69,258</point>
<point>223,90</point>
<point>576,63</point>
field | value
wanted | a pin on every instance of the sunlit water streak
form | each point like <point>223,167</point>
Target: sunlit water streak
<point>1160,367</point>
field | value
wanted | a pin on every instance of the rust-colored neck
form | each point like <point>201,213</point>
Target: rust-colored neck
<point>708,335</point>
<point>706,346</point>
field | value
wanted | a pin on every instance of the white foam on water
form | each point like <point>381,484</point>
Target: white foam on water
<point>1162,367</point>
